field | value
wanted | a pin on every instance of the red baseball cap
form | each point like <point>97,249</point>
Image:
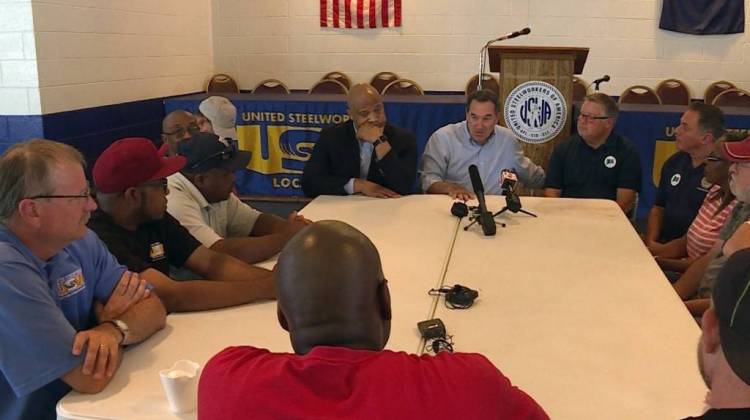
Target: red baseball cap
<point>737,151</point>
<point>130,162</point>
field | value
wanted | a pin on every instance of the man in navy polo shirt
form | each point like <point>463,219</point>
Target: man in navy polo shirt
<point>66,305</point>
<point>682,187</point>
<point>595,163</point>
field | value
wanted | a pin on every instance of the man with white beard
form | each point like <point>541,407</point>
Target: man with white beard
<point>697,283</point>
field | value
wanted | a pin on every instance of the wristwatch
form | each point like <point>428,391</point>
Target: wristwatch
<point>121,326</point>
<point>382,139</point>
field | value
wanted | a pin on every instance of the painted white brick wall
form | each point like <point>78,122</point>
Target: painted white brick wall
<point>19,82</point>
<point>94,52</point>
<point>439,42</point>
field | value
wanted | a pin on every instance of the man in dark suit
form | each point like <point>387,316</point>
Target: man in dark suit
<point>365,155</point>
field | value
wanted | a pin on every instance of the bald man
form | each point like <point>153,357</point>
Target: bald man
<point>364,155</point>
<point>338,317</point>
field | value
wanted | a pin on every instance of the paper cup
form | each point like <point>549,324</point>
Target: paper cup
<point>181,385</point>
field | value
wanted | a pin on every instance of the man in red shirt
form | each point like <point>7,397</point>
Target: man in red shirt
<point>338,316</point>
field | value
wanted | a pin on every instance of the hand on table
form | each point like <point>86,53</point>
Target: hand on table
<point>372,189</point>
<point>102,353</point>
<point>460,193</point>
<point>295,222</point>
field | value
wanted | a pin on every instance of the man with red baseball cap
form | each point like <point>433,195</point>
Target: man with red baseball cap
<point>696,285</point>
<point>130,177</point>
<point>724,347</point>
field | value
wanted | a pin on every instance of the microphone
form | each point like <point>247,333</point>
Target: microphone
<point>485,217</point>
<point>599,81</point>
<point>483,51</point>
<point>508,180</point>
<point>524,31</point>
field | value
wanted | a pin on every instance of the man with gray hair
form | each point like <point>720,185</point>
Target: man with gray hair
<point>66,305</point>
<point>221,118</point>
<point>595,162</point>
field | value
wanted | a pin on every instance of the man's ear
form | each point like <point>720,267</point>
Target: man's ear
<point>710,325</point>
<point>384,300</point>
<point>282,319</point>
<point>28,211</point>
<point>132,195</point>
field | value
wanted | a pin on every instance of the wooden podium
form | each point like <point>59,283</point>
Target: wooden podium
<point>554,65</point>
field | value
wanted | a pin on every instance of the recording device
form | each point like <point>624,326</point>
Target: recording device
<point>460,209</point>
<point>485,217</point>
<point>599,81</point>
<point>457,296</point>
<point>431,329</point>
<point>483,51</point>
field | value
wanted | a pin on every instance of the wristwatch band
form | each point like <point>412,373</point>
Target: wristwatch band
<point>121,326</point>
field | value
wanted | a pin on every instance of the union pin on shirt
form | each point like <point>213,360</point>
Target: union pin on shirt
<point>70,284</point>
<point>156,252</point>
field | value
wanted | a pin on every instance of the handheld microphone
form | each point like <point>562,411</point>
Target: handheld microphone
<point>485,217</point>
<point>508,181</point>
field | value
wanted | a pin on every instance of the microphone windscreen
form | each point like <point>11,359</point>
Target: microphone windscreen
<point>476,180</point>
<point>524,31</point>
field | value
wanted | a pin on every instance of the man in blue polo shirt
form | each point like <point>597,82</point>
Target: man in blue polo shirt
<point>66,306</point>
<point>595,162</point>
<point>682,187</point>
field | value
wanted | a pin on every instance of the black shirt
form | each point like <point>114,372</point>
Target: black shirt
<point>156,244</point>
<point>581,171</point>
<point>724,414</point>
<point>681,192</point>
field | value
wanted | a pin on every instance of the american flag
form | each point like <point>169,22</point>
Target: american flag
<point>360,13</point>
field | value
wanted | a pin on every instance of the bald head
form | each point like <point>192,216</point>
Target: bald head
<point>365,106</point>
<point>331,289</point>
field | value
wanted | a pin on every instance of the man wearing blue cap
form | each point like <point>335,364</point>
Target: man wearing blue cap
<point>201,198</point>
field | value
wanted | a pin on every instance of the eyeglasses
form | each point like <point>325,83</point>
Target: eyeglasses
<point>181,131</point>
<point>156,183</point>
<point>225,154</point>
<point>84,195</point>
<point>588,117</point>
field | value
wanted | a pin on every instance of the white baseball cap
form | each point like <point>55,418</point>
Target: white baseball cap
<point>222,114</point>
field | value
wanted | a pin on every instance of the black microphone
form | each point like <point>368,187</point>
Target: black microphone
<point>599,81</point>
<point>524,31</point>
<point>485,217</point>
<point>508,180</point>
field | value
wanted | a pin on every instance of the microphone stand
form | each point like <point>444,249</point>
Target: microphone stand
<point>483,51</point>
<point>476,217</point>
<point>512,204</point>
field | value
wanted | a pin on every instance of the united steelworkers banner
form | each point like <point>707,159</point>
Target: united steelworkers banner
<point>281,133</point>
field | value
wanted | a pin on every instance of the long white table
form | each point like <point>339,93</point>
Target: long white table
<point>572,308</point>
<point>413,235</point>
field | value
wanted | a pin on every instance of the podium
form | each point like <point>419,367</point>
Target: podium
<point>554,65</point>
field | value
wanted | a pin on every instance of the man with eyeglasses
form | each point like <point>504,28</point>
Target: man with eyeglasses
<point>724,346</point>
<point>202,200</point>
<point>477,141</point>
<point>176,127</point>
<point>696,285</point>
<point>595,162</point>
<point>682,187</point>
<point>130,176</point>
<point>66,306</point>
